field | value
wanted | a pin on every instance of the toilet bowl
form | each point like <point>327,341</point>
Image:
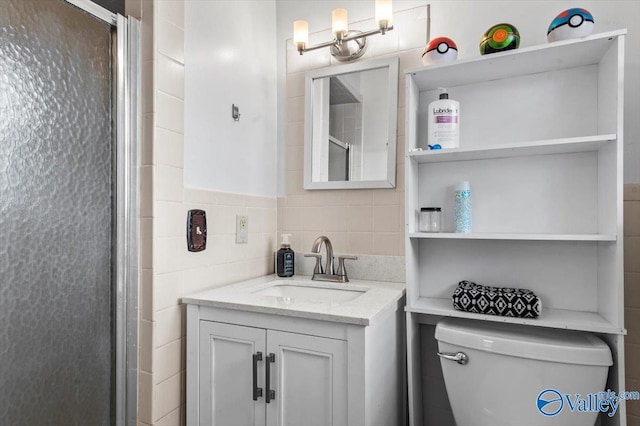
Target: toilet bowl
<point>505,374</point>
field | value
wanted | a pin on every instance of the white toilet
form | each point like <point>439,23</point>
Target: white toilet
<point>504,374</point>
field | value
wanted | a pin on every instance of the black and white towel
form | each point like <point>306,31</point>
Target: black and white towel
<point>508,302</point>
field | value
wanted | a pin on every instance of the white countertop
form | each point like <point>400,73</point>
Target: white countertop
<point>378,297</point>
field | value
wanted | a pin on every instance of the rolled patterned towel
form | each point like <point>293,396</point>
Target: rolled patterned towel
<point>508,302</point>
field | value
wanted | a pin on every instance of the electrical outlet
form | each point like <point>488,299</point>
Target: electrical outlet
<point>242,229</point>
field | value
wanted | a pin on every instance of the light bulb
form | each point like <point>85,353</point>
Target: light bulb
<point>339,23</point>
<point>384,13</point>
<point>300,33</point>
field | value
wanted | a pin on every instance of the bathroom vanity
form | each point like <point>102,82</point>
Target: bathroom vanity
<point>294,351</point>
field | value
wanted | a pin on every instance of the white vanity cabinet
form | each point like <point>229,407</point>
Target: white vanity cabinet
<point>307,380</point>
<point>253,360</point>
<point>541,143</point>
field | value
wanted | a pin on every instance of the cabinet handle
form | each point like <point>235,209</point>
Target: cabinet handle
<point>271,394</point>
<point>257,392</point>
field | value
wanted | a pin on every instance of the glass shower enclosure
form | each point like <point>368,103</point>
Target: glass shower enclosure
<point>68,138</point>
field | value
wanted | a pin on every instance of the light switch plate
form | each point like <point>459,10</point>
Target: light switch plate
<point>196,230</point>
<point>242,229</point>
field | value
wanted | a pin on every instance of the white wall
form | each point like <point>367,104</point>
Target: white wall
<point>465,22</point>
<point>230,59</point>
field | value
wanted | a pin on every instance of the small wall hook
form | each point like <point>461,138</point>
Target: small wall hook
<point>235,112</point>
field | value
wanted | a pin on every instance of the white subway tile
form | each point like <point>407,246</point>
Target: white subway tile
<point>145,396</point>
<point>168,183</point>
<point>411,25</point>
<point>146,243</point>
<point>169,112</point>
<point>171,11</point>
<point>295,109</point>
<point>146,346</point>
<point>169,256</point>
<point>147,140</point>
<point>170,76</point>
<point>295,158</point>
<point>147,83</point>
<point>167,290</point>
<point>295,84</point>
<point>194,195</point>
<point>295,134</point>
<point>169,325</point>
<point>170,39</point>
<point>146,191</point>
<point>170,219</point>
<point>174,418</point>
<point>169,395</point>
<point>146,294</point>
<point>168,361</point>
<point>148,41</point>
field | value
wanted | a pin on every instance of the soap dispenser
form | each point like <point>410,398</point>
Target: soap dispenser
<point>285,258</point>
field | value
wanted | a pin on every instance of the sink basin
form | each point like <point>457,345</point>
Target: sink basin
<point>311,294</point>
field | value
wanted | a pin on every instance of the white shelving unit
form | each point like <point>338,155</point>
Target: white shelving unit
<point>541,143</point>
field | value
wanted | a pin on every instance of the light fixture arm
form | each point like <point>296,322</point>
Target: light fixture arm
<point>335,42</point>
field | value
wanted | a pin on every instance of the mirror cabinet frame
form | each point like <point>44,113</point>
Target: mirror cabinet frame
<point>392,88</point>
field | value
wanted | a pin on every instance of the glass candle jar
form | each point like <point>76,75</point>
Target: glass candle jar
<point>430,219</point>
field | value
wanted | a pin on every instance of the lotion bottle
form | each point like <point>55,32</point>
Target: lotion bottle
<point>444,123</point>
<point>285,258</point>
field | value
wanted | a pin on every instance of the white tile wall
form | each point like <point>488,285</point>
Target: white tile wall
<point>169,271</point>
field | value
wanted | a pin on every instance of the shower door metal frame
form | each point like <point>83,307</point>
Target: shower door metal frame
<point>127,153</point>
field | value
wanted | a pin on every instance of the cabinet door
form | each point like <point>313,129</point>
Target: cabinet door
<point>309,378</point>
<point>227,377</point>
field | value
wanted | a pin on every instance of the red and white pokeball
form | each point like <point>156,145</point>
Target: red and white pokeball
<point>440,50</point>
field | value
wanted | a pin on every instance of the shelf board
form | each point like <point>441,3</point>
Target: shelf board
<point>530,60</point>
<point>543,147</point>
<point>512,236</point>
<point>552,318</point>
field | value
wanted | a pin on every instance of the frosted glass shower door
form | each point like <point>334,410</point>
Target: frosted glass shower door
<point>56,209</point>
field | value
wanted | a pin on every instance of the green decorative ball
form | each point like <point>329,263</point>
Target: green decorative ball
<point>499,38</point>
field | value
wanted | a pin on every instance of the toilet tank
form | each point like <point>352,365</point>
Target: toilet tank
<point>522,375</point>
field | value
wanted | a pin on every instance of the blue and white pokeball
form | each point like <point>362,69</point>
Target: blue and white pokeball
<point>440,50</point>
<point>571,23</point>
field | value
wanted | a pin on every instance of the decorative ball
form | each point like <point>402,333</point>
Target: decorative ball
<point>499,38</point>
<point>571,23</point>
<point>440,50</point>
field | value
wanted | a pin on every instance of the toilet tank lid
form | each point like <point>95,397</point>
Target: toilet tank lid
<point>545,344</point>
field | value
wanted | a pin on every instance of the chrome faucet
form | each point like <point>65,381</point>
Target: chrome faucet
<point>328,273</point>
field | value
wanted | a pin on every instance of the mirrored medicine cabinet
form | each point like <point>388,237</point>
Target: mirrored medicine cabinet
<point>350,126</point>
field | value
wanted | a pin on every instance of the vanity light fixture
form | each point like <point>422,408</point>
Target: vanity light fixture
<point>347,45</point>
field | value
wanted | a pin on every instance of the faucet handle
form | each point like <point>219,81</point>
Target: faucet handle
<point>318,268</point>
<point>342,270</point>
